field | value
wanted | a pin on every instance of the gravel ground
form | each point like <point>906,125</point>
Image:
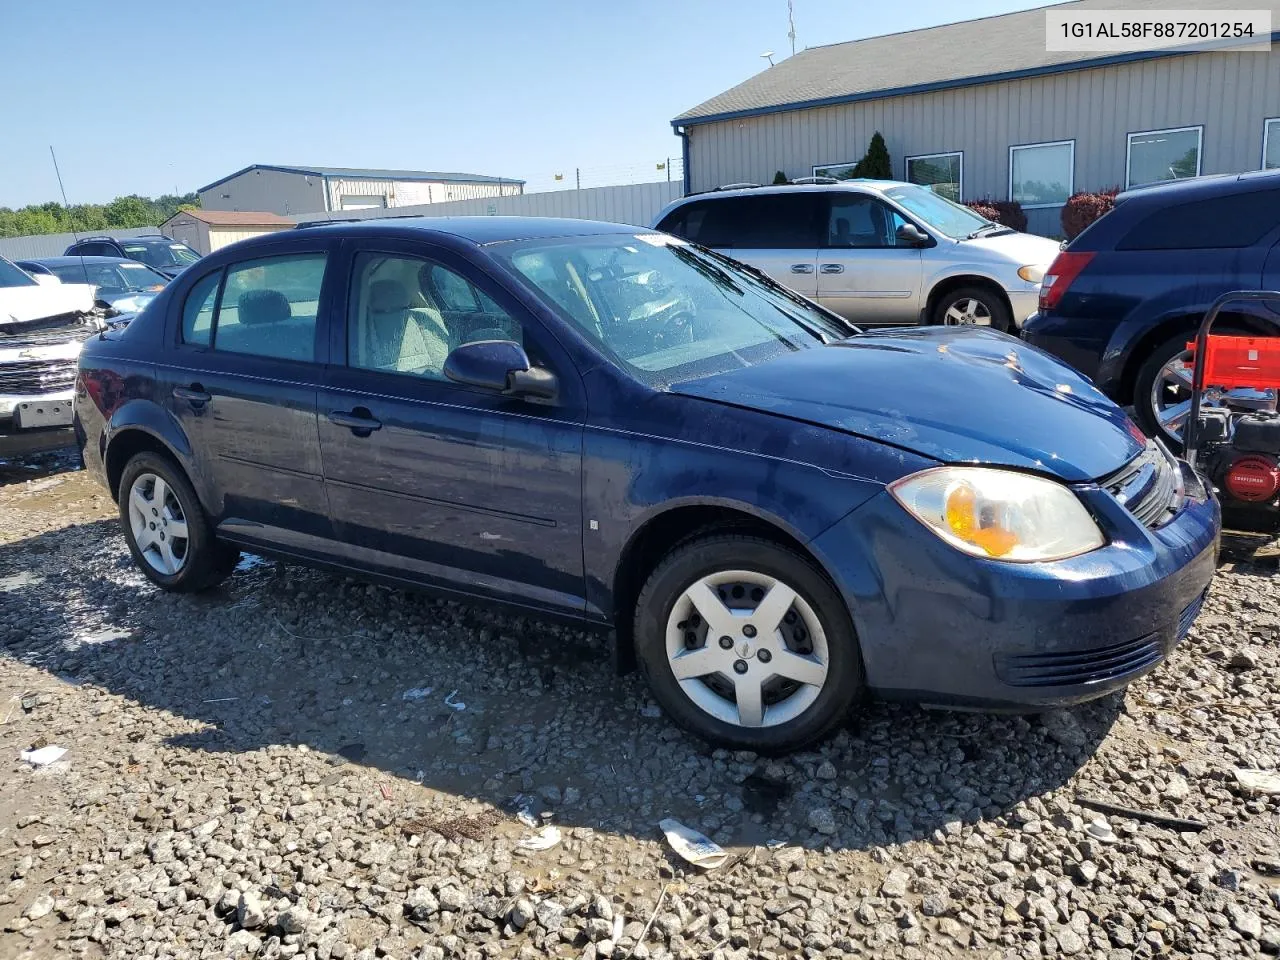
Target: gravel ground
<point>261,771</point>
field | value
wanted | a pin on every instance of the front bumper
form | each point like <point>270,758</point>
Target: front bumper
<point>1023,303</point>
<point>15,442</point>
<point>944,628</point>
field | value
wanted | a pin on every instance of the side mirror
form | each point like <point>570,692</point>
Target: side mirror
<point>913,236</point>
<point>501,366</point>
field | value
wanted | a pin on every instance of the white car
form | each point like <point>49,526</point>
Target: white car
<point>874,251</point>
<point>42,327</point>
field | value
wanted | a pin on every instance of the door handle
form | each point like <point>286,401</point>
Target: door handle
<point>193,394</point>
<point>833,268</point>
<point>802,268</point>
<point>360,421</point>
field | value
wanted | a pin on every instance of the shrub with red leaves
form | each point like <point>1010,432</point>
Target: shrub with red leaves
<point>1081,209</point>
<point>1006,212</point>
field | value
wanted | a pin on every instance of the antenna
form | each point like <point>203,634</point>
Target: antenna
<point>791,23</point>
<point>70,219</point>
<point>768,55</point>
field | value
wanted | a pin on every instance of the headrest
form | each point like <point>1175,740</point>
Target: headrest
<point>263,306</point>
<point>388,296</point>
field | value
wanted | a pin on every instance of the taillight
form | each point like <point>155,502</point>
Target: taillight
<point>1065,268</point>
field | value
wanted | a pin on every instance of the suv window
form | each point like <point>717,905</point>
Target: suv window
<point>1238,220</point>
<point>407,313</point>
<point>784,221</point>
<point>862,222</point>
<point>93,250</point>
<point>264,308</point>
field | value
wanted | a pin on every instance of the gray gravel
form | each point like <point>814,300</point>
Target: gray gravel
<point>246,776</point>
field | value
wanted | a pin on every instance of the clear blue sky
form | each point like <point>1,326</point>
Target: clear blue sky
<point>152,98</point>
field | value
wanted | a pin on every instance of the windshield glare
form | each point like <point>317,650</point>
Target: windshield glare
<point>952,219</point>
<point>664,309</point>
<point>162,254</point>
<point>12,276</point>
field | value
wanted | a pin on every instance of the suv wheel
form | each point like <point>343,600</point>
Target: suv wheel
<point>166,528</point>
<point>745,643</point>
<point>972,307</point>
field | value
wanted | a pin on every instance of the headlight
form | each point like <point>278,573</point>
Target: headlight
<point>999,514</point>
<point>1033,273</point>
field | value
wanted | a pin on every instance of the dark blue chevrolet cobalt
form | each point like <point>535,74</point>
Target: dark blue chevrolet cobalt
<point>777,512</point>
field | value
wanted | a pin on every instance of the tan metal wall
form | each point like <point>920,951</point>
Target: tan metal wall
<point>406,193</point>
<point>1229,93</point>
<point>268,191</point>
<point>220,237</point>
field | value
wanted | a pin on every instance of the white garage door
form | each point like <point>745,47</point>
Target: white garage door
<point>363,201</point>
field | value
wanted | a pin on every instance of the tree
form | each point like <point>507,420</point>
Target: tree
<point>130,211</point>
<point>875,165</point>
<point>780,177</point>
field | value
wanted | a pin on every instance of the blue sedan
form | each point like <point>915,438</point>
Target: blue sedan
<point>777,513</point>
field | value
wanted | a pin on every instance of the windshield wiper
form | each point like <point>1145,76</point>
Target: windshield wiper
<point>985,227</point>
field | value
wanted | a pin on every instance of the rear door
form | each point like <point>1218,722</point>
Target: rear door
<point>865,273</point>
<point>450,485</point>
<point>251,345</point>
<point>777,233</point>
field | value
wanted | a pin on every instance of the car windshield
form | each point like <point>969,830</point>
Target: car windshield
<point>11,276</point>
<point>938,212</point>
<point>665,310</point>
<point>127,277</point>
<point>161,254</point>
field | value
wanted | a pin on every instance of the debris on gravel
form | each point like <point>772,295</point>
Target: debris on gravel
<point>246,777</point>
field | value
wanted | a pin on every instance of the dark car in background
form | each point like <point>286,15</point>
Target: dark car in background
<point>1122,300</point>
<point>609,424</point>
<point>159,252</point>
<point>125,285</point>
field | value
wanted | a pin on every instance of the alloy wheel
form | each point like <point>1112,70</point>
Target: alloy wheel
<point>968,312</point>
<point>158,525</point>
<point>746,648</point>
<point>1171,396</point>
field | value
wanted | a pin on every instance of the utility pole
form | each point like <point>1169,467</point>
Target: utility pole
<point>577,178</point>
<point>791,23</point>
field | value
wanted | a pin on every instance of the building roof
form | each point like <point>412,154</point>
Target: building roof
<point>358,173</point>
<point>1004,47</point>
<point>234,218</point>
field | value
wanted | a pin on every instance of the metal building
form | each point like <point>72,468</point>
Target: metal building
<point>206,230</point>
<point>300,190</point>
<point>980,109</point>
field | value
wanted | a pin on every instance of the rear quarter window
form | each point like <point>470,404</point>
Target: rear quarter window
<point>1238,220</point>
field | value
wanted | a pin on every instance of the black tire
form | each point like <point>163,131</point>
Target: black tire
<point>1143,410</point>
<point>692,560</point>
<point>206,561</point>
<point>991,300</point>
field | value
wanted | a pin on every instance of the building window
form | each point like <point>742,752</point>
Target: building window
<point>1158,155</point>
<point>1042,174</point>
<point>1271,144</point>
<point>840,171</point>
<point>943,173</point>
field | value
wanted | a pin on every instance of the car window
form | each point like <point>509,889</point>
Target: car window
<point>952,219</point>
<point>92,250</point>
<point>268,307</point>
<point>779,221</point>
<point>862,222</point>
<point>11,276</point>
<point>197,311</point>
<point>1239,220</point>
<point>406,313</point>
<point>161,254</point>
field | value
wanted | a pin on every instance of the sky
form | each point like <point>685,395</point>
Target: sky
<point>165,97</point>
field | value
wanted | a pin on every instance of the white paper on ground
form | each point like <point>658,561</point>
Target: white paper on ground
<point>44,756</point>
<point>544,839</point>
<point>699,850</point>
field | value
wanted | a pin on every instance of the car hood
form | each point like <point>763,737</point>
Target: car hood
<point>956,394</point>
<point>1025,248</point>
<point>20,304</point>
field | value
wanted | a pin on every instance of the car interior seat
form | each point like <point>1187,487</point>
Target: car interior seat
<point>395,335</point>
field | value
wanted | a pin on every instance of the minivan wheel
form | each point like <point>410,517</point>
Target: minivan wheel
<point>746,644</point>
<point>166,528</point>
<point>972,307</point>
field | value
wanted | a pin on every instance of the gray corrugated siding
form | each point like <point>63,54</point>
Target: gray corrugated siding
<point>1230,94</point>
<point>52,244</point>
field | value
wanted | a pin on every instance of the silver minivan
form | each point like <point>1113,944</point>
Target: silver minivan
<point>874,251</point>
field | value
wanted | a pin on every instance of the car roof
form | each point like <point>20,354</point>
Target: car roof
<point>478,230</point>
<point>1209,185</point>
<point>855,186</point>
<point>67,261</point>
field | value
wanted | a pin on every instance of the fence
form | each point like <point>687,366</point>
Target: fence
<point>52,244</point>
<point>635,203</point>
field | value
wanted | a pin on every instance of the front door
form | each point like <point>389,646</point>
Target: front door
<point>450,485</point>
<point>244,384</point>
<point>864,272</point>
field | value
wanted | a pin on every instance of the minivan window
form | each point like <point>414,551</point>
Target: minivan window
<point>862,222</point>
<point>664,310</point>
<point>938,212</point>
<point>1238,220</point>
<point>768,221</point>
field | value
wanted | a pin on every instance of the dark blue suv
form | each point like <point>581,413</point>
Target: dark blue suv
<point>775,510</point>
<point>1122,300</point>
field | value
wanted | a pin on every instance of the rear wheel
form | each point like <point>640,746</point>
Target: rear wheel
<point>745,643</point>
<point>166,528</point>
<point>972,307</point>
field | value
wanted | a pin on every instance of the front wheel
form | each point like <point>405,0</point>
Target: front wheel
<point>166,528</point>
<point>746,644</point>
<point>972,307</point>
